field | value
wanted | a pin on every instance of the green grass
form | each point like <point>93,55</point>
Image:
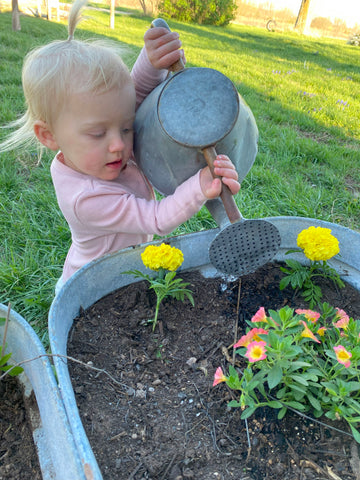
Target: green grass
<point>303,92</point>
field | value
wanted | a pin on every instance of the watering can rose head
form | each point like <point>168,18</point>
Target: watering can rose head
<point>318,243</point>
<point>162,257</point>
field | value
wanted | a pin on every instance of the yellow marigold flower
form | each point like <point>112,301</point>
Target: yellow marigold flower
<point>318,243</point>
<point>163,256</point>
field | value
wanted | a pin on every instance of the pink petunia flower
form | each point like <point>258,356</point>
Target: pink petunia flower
<point>250,336</point>
<point>260,316</point>
<point>307,333</point>
<point>309,314</point>
<point>219,376</point>
<point>343,356</point>
<point>256,351</point>
<point>343,321</point>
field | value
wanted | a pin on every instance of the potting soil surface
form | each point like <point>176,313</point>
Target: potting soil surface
<point>152,412</point>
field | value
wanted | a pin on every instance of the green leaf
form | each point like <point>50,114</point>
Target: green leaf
<point>16,371</point>
<point>294,264</point>
<point>274,376</point>
<point>137,274</point>
<point>232,371</point>
<point>315,372</point>
<point>281,393</point>
<point>170,275</point>
<point>293,250</point>
<point>284,282</point>
<point>298,364</point>
<point>355,433</point>
<point>248,412</point>
<point>275,404</point>
<point>282,412</point>
<point>296,405</point>
<point>352,386</point>
<point>252,385</point>
<point>234,403</point>
<point>300,379</point>
<point>330,388</point>
<point>12,371</point>
<point>5,359</point>
<point>314,401</point>
<point>297,388</point>
<point>273,339</point>
<point>234,383</point>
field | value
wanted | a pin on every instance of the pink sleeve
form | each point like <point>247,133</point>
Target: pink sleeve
<point>145,77</point>
<point>111,212</point>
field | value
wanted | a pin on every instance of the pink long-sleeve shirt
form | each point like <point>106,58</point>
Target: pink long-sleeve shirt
<point>106,216</point>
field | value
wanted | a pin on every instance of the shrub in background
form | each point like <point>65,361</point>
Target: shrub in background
<point>207,12</point>
<point>354,39</point>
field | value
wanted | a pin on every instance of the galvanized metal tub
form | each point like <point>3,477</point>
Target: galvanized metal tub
<point>103,276</point>
<point>52,433</point>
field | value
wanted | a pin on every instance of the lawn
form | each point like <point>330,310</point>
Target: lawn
<point>303,92</point>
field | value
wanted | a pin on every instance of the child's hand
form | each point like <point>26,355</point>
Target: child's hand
<point>224,168</point>
<point>162,47</point>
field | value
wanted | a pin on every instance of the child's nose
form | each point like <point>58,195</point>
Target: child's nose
<point>116,144</point>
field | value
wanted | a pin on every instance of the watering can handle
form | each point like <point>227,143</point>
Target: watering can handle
<point>179,65</point>
<point>226,196</point>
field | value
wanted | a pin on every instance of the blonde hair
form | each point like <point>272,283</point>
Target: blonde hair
<point>53,72</point>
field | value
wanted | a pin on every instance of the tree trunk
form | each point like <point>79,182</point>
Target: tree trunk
<point>143,5</point>
<point>301,21</point>
<point>112,14</point>
<point>15,15</point>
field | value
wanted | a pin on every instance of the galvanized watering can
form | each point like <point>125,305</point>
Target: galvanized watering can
<point>177,128</point>
<point>192,109</point>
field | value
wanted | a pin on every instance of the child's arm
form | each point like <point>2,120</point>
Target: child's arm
<point>161,50</point>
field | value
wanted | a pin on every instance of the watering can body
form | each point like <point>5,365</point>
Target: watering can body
<point>192,109</point>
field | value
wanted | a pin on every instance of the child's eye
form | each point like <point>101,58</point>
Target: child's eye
<point>126,131</point>
<point>97,134</point>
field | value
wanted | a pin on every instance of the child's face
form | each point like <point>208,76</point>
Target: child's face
<point>95,131</point>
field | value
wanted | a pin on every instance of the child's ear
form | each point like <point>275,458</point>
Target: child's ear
<point>44,135</point>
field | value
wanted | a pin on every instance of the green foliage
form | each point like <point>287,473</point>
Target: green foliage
<point>207,12</point>
<point>6,367</point>
<point>300,371</point>
<point>354,39</point>
<point>5,357</point>
<point>164,285</point>
<point>304,278</point>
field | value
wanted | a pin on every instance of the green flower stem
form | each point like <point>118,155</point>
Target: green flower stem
<point>165,285</point>
<point>161,274</point>
<point>158,302</point>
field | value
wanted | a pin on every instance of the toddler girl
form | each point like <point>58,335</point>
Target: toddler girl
<point>81,102</point>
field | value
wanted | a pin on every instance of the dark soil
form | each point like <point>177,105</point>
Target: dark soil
<point>162,419</point>
<point>18,457</point>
